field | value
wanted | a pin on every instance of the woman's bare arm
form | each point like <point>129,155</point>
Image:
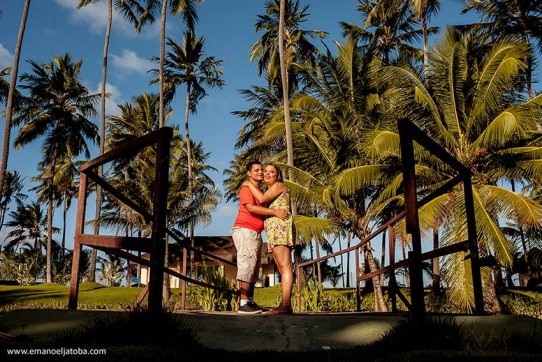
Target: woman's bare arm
<point>271,194</point>
<point>258,194</point>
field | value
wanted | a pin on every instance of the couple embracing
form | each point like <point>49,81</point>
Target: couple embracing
<point>259,211</point>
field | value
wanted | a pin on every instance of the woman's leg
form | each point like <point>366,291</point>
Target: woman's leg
<point>283,258</point>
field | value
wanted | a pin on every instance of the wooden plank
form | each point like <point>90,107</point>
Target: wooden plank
<point>119,242</point>
<point>128,148</point>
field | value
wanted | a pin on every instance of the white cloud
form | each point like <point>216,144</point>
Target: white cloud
<point>129,62</point>
<point>111,103</point>
<point>6,58</point>
<point>95,16</point>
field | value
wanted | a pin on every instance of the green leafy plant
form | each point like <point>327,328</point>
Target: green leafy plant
<point>213,299</point>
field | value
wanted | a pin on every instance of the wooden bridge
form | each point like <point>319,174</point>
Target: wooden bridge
<point>156,244</point>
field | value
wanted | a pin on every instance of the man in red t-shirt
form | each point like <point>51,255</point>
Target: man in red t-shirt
<point>246,234</point>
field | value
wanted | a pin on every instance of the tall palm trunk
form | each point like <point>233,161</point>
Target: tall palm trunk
<point>98,208</point>
<point>349,240</point>
<point>380,304</point>
<point>166,289</point>
<point>383,255</point>
<point>189,166</point>
<point>287,119</point>
<point>342,261</point>
<point>406,275</point>
<point>528,59</point>
<point>161,66</point>
<point>11,94</point>
<point>63,249</point>
<point>285,86</point>
<point>48,275</point>
<point>491,301</point>
<point>436,265</point>
<point>318,265</point>
<point>425,50</point>
<point>36,253</point>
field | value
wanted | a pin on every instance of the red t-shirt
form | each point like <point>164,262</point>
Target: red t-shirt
<point>244,218</point>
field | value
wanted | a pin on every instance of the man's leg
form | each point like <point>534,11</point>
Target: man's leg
<point>246,241</point>
<point>245,289</point>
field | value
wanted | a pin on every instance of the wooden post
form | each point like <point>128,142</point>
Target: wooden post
<point>158,235</point>
<point>473,247</point>
<point>77,247</point>
<point>412,222</point>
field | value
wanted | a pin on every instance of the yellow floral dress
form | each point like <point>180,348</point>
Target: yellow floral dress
<point>278,231</point>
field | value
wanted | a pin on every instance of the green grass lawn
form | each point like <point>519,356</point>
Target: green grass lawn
<point>97,296</point>
<point>91,296</point>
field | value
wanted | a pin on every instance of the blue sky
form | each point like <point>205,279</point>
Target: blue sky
<point>56,27</point>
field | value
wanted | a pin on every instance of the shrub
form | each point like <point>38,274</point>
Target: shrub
<point>522,304</point>
<point>214,299</point>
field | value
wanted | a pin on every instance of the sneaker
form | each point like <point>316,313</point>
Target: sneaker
<point>281,309</point>
<point>248,309</point>
<point>256,306</point>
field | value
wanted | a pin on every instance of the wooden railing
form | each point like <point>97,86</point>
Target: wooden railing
<point>409,133</point>
<point>117,245</point>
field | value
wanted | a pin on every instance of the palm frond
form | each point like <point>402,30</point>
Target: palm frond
<point>308,228</point>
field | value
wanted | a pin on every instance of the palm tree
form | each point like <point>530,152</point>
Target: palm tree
<point>471,106</point>
<point>4,85</point>
<point>65,188</point>
<point>506,18</point>
<point>136,176</point>
<point>130,9</point>
<point>57,107</point>
<point>334,115</point>
<point>12,192</point>
<point>112,270</point>
<point>28,227</point>
<point>285,87</point>
<point>187,9</point>
<point>283,44</point>
<point>187,64</point>
<point>423,9</point>
<point>388,31</point>
<point>298,48</point>
<point>11,95</point>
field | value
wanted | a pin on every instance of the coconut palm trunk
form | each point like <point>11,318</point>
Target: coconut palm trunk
<point>161,66</point>
<point>318,265</point>
<point>287,119</point>
<point>285,86</point>
<point>436,265</point>
<point>380,304</point>
<point>50,213</point>
<point>189,167</point>
<point>11,93</point>
<point>98,208</point>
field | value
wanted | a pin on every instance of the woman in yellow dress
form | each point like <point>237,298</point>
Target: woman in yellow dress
<point>279,232</point>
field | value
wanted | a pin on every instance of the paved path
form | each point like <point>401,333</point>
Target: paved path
<point>234,332</point>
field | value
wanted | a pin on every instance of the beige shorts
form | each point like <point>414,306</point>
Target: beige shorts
<point>248,244</point>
